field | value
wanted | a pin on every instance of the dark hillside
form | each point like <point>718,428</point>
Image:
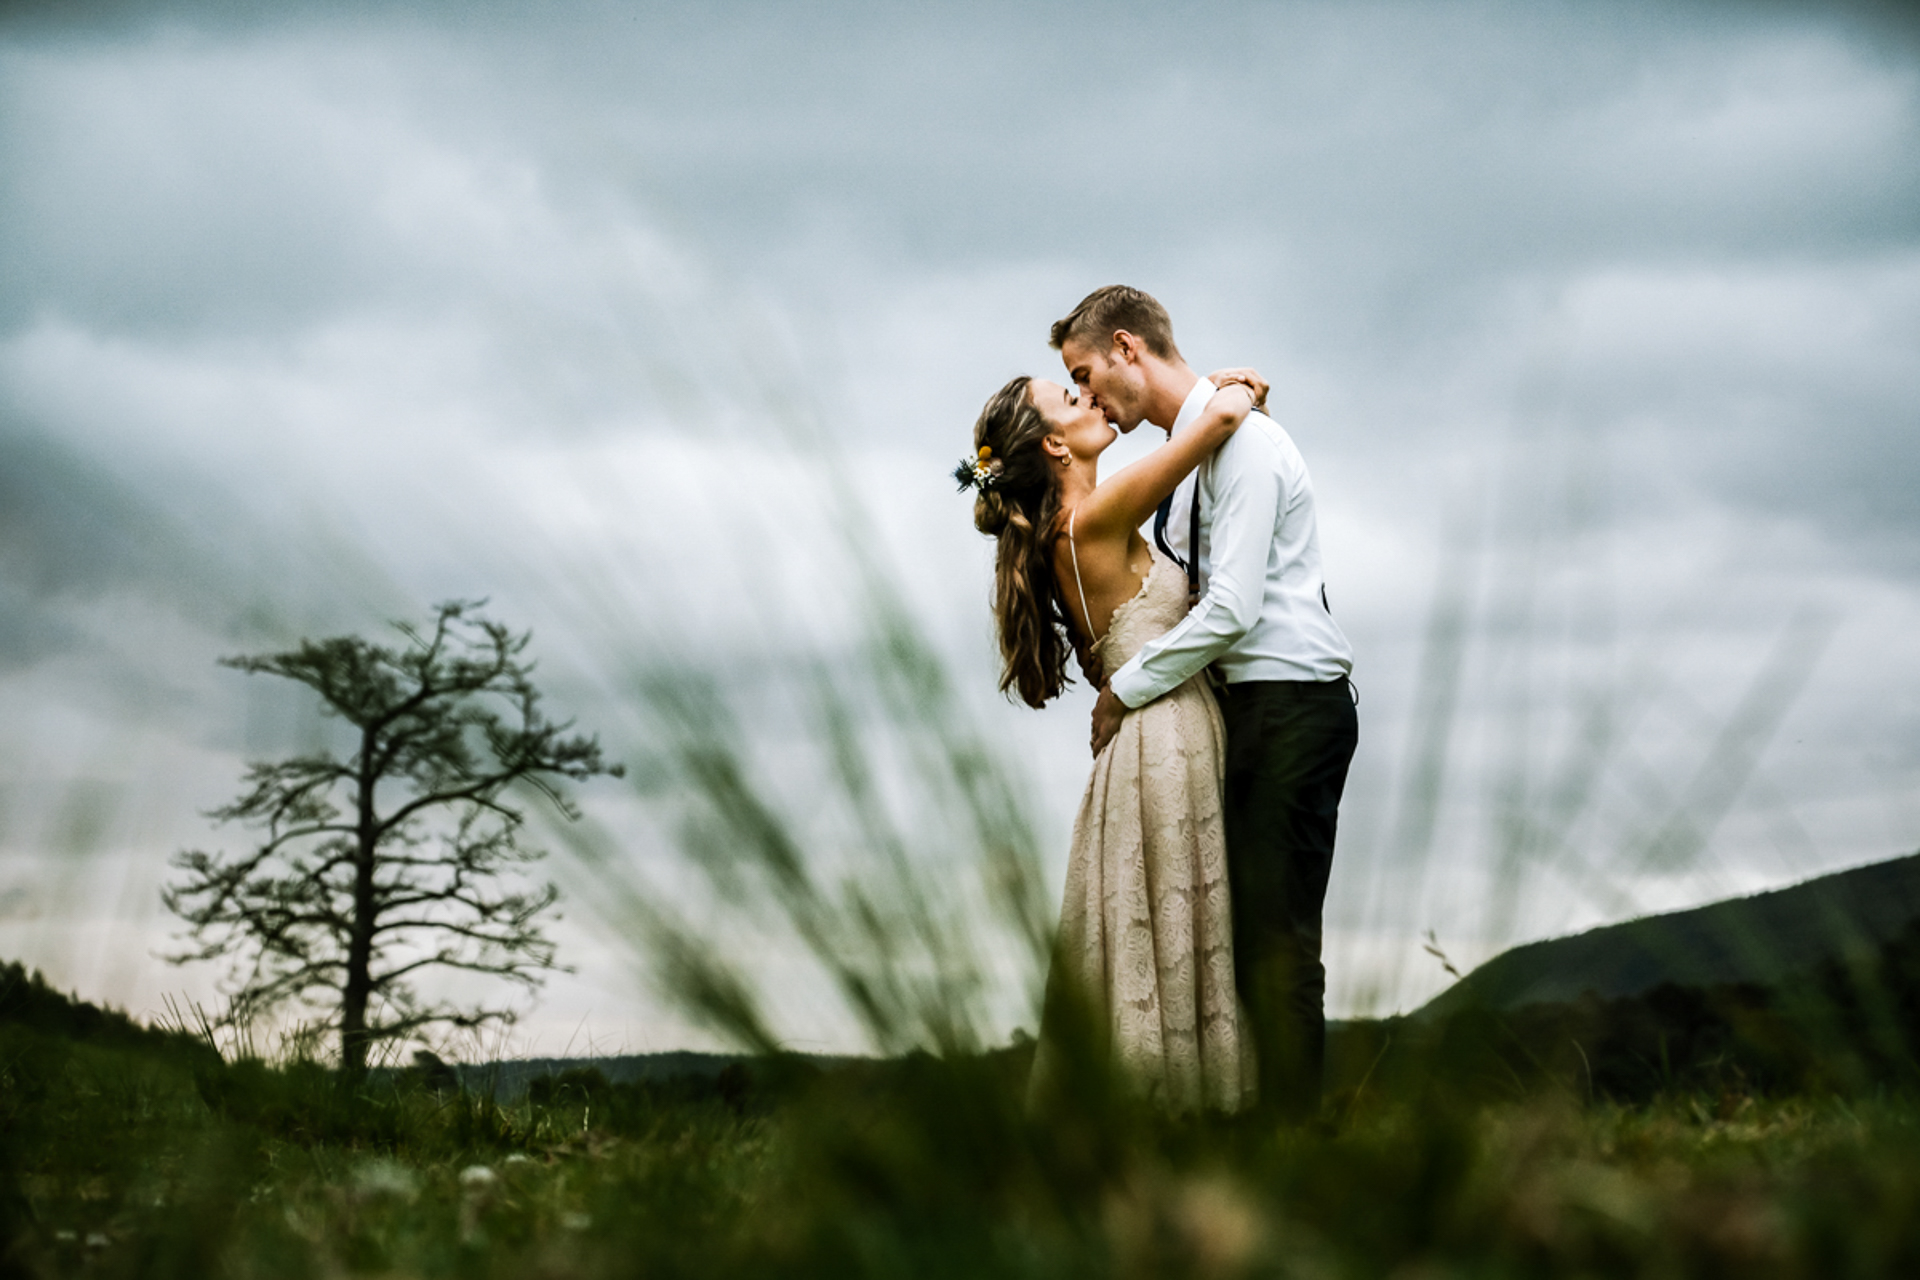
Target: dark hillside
<point>27,1001</point>
<point>1758,940</point>
<point>1840,1027</point>
<point>509,1079</point>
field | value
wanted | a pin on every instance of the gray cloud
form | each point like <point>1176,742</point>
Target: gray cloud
<point>69,529</point>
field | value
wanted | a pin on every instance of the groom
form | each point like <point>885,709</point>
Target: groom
<point>1263,624</point>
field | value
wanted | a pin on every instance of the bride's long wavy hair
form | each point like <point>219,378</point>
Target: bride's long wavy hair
<point>1020,509</point>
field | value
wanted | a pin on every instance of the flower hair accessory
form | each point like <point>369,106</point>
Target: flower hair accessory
<point>979,472</point>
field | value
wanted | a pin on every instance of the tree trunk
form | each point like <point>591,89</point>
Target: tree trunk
<point>358,989</point>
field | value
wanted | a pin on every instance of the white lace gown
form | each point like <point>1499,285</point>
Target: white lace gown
<point>1146,922</point>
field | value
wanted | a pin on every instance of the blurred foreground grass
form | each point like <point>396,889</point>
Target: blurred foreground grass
<point>152,1157</point>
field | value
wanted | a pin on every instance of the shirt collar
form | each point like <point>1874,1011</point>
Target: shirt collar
<point>1195,404</point>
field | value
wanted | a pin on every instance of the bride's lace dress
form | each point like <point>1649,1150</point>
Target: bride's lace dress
<point>1145,928</point>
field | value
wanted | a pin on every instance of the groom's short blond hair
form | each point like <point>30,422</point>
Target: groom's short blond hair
<point>1105,312</point>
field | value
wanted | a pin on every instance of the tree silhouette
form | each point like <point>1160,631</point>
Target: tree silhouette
<point>403,856</point>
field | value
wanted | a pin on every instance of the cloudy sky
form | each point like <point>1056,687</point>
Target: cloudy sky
<point>1597,324</point>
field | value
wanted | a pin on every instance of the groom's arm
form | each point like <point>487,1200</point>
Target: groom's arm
<point>1246,505</point>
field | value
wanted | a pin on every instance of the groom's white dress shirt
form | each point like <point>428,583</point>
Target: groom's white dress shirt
<point>1262,614</point>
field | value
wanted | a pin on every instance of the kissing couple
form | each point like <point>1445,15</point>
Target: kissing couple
<point>1189,941</point>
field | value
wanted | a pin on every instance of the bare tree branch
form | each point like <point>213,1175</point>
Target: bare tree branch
<point>339,906</point>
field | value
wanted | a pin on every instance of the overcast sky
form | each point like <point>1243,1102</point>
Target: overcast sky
<point>1598,324</point>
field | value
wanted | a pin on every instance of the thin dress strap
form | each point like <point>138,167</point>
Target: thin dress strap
<point>1073,550</point>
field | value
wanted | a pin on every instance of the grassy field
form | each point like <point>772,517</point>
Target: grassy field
<point>158,1159</point>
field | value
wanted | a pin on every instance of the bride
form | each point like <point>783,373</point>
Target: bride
<point>1145,948</point>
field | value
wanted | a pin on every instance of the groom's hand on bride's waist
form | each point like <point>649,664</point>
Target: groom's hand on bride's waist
<point>1108,711</point>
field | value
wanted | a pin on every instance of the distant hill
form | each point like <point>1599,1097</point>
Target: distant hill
<point>508,1079</point>
<point>27,1001</point>
<point>1761,939</point>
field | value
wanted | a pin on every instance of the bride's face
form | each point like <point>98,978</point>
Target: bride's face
<point>1071,419</point>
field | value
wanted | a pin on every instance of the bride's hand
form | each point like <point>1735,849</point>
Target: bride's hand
<point>1089,666</point>
<point>1248,378</point>
<point>1108,711</point>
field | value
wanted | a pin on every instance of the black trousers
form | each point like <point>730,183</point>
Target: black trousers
<point>1288,747</point>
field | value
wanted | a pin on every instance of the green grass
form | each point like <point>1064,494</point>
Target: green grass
<point>125,1162</point>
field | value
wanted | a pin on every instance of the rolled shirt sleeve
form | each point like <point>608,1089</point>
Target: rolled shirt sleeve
<point>1246,503</point>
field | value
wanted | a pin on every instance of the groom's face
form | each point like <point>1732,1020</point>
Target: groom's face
<point>1115,384</point>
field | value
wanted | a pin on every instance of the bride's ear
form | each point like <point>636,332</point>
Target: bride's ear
<point>1056,447</point>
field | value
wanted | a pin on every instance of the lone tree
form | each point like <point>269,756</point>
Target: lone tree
<point>401,857</point>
